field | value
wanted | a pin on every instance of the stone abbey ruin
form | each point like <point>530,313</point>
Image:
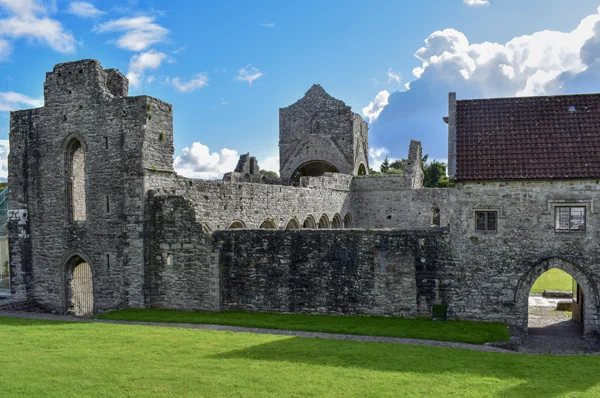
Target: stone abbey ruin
<point>99,220</point>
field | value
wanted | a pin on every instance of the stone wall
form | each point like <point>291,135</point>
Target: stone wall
<point>218,204</point>
<point>114,133</point>
<point>496,269</point>
<point>334,271</point>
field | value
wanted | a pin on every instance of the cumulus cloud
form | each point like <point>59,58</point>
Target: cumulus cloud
<point>28,19</point>
<point>198,162</point>
<point>541,63</point>
<point>141,62</point>
<point>10,101</point>
<point>139,33</point>
<point>198,81</point>
<point>372,111</point>
<point>84,10</point>
<point>270,163</point>
<point>477,2</point>
<point>248,74</point>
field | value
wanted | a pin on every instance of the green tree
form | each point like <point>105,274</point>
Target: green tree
<point>385,166</point>
<point>435,174</point>
<point>269,173</point>
<point>398,165</point>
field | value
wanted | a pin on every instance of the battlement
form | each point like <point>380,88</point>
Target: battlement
<point>83,80</point>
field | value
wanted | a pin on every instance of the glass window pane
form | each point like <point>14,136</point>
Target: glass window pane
<point>577,218</point>
<point>480,221</point>
<point>491,221</point>
<point>562,219</point>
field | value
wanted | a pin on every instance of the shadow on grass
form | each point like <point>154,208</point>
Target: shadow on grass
<point>541,376</point>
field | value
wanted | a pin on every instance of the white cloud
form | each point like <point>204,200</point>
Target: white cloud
<point>28,19</point>
<point>223,102</point>
<point>139,32</point>
<point>4,148</point>
<point>394,76</point>
<point>5,49</point>
<point>268,24</point>
<point>10,101</point>
<point>270,163</point>
<point>84,9</point>
<point>477,2</point>
<point>199,162</point>
<point>377,156</point>
<point>198,81</point>
<point>375,107</point>
<point>248,74</point>
<point>150,59</point>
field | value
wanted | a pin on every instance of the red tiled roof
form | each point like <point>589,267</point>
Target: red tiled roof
<point>553,137</point>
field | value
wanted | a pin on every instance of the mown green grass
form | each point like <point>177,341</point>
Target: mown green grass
<point>459,331</point>
<point>553,279</point>
<point>54,359</point>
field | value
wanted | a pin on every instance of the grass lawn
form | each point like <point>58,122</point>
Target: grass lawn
<point>43,358</point>
<point>460,331</point>
<point>553,279</point>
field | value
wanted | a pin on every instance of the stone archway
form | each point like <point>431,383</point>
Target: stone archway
<point>79,287</point>
<point>590,293</point>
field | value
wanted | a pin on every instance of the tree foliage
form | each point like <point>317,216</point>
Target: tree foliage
<point>385,166</point>
<point>269,173</point>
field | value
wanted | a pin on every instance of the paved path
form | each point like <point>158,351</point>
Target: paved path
<point>312,335</point>
<point>541,301</point>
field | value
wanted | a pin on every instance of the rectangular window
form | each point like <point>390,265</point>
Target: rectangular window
<point>569,219</point>
<point>106,142</point>
<point>486,220</point>
<point>107,261</point>
<point>107,204</point>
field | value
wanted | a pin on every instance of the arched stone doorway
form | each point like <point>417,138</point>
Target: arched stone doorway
<point>589,309</point>
<point>362,170</point>
<point>79,287</point>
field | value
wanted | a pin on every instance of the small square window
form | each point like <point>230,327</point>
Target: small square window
<point>569,219</point>
<point>486,220</point>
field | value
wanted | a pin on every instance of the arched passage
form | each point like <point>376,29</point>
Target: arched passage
<point>588,291</point>
<point>75,180</point>
<point>79,287</point>
<point>348,220</point>
<point>336,222</point>
<point>268,224</point>
<point>309,222</point>
<point>362,170</point>
<point>237,224</point>
<point>313,168</point>
<point>324,222</point>
<point>292,224</point>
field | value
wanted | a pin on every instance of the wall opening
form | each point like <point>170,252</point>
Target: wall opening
<point>268,224</point>
<point>75,183</point>
<point>435,217</point>
<point>246,177</point>
<point>530,294</point>
<point>312,169</point>
<point>348,220</point>
<point>309,222</point>
<point>362,170</point>
<point>237,225</point>
<point>324,222</point>
<point>79,288</point>
<point>555,305</point>
<point>336,222</point>
<point>292,224</point>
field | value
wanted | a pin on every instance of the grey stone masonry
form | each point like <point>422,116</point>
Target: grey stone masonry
<point>91,180</point>
<point>321,128</point>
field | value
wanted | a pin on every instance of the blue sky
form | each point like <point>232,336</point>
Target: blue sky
<point>227,66</point>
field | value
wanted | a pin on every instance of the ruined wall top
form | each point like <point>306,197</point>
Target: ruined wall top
<point>83,80</point>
